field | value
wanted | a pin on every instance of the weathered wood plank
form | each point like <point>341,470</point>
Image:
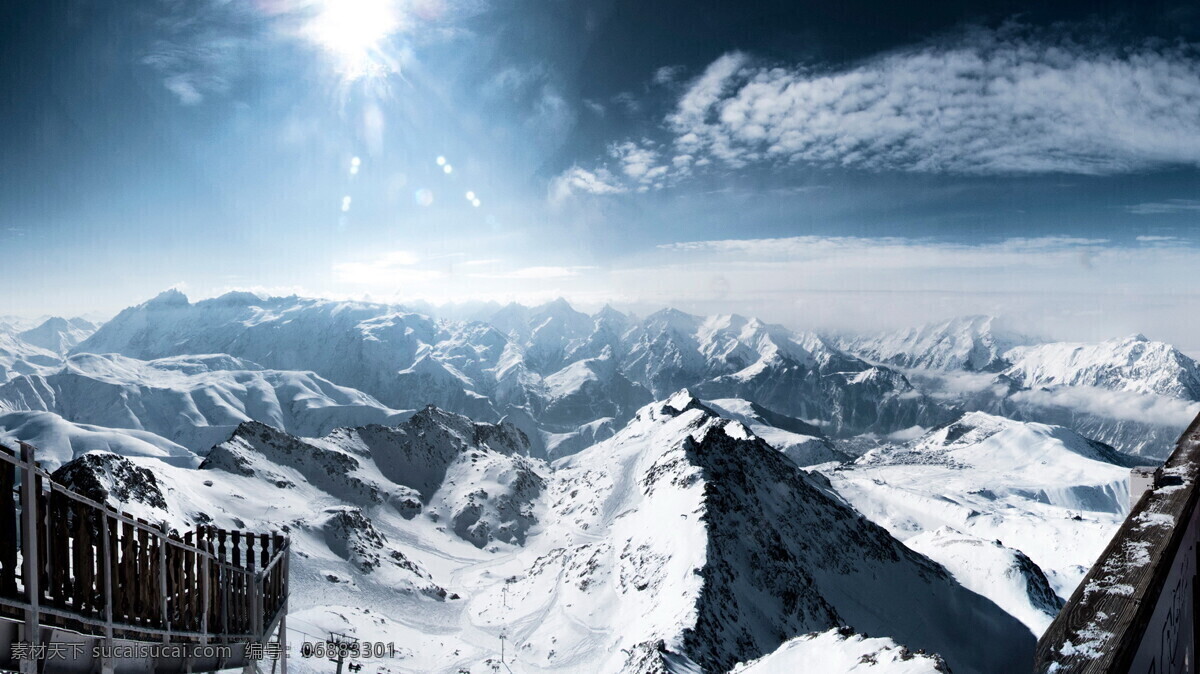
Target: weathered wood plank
<point>8,529</point>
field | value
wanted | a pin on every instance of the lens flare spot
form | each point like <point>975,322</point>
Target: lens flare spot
<point>470,196</point>
<point>345,203</point>
<point>475,203</point>
<point>423,197</point>
<point>441,161</point>
<point>354,164</point>
<point>448,168</point>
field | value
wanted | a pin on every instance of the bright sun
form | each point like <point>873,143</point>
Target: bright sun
<point>353,33</point>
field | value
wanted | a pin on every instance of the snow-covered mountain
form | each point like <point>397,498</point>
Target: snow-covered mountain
<point>1133,364</point>
<point>194,401</point>
<point>58,335</point>
<point>1045,491</point>
<point>18,357</point>
<point>1133,393</point>
<point>552,365</point>
<point>970,343</point>
<point>801,442</point>
<point>59,441</point>
<point>842,650</point>
<point>1005,575</point>
<point>735,504</point>
<point>684,541</point>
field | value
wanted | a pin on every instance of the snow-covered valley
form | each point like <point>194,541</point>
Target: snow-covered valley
<point>612,493</point>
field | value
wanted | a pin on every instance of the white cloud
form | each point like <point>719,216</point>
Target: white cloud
<point>668,74</point>
<point>848,252</point>
<point>537,273</point>
<point>640,162</point>
<point>385,269</point>
<point>577,179</point>
<point>1166,207</point>
<point>990,102</point>
<point>1120,405</point>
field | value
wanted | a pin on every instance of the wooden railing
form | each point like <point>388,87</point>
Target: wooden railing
<point>1136,610</point>
<point>67,561</point>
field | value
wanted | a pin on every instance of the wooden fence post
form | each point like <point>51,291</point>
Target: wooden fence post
<point>162,581</point>
<point>106,663</point>
<point>29,549</point>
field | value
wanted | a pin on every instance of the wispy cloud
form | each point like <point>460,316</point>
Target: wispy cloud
<point>578,180</point>
<point>896,252</point>
<point>538,273</point>
<point>993,102</point>
<point>1165,207</point>
<point>203,46</point>
<point>389,268</point>
<point>668,75</point>
<point>1120,405</point>
<point>989,102</point>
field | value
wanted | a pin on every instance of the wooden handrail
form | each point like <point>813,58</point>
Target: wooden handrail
<point>91,568</point>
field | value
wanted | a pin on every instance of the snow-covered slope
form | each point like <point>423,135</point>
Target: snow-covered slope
<point>59,441</point>
<point>1002,574</point>
<point>474,477</point>
<point>1044,490</point>
<point>801,442</point>
<point>195,401</point>
<point>18,357</point>
<point>841,650</point>
<point>971,343</point>
<point>686,541</point>
<point>1133,364</point>
<point>593,388</point>
<point>58,335</point>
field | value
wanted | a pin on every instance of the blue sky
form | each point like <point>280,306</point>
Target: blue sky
<point>877,163</point>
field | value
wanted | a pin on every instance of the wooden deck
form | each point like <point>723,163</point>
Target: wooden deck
<point>1134,610</point>
<point>70,565</point>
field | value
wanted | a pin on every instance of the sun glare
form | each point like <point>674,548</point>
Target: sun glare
<point>353,32</point>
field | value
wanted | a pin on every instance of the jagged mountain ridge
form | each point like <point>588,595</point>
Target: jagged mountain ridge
<point>1135,364</point>
<point>1126,392</point>
<point>969,343</point>
<point>551,365</point>
<point>194,401</point>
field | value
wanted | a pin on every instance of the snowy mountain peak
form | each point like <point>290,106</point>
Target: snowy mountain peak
<point>608,313</point>
<point>170,297</point>
<point>243,298</point>
<point>58,335</point>
<point>973,343</point>
<point>558,305</point>
<point>1036,442</point>
<point>683,401</point>
<point>1134,364</point>
<point>736,504</point>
